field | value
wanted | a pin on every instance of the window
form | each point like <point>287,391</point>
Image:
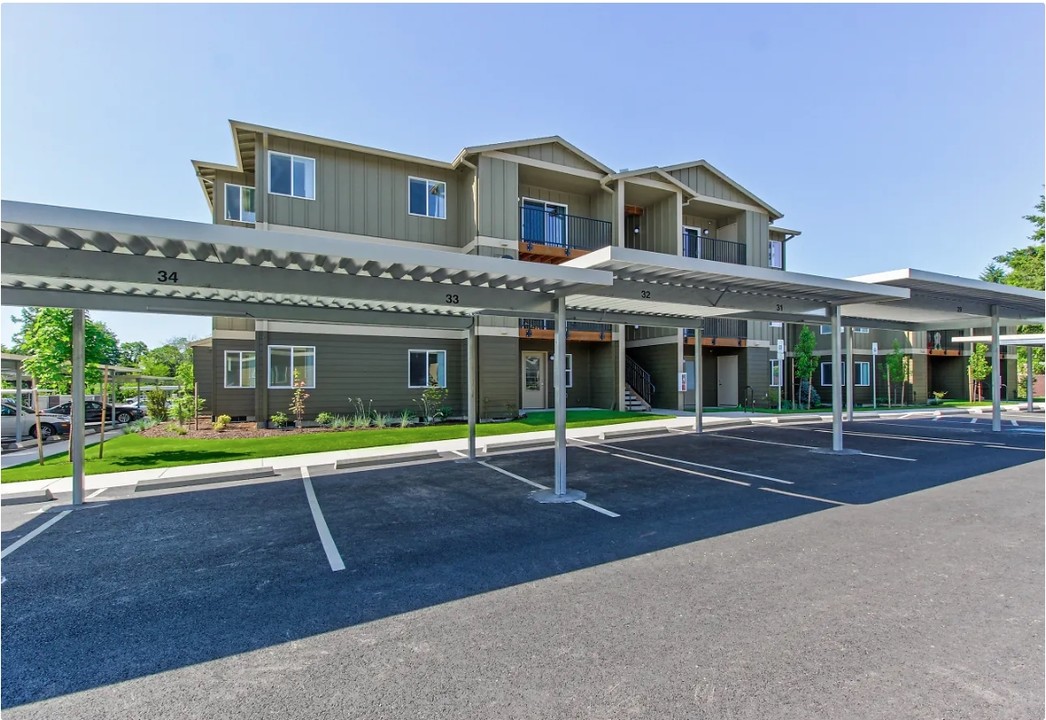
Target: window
<point>826,374</point>
<point>543,222</point>
<point>292,175</point>
<point>776,323</point>
<point>692,242</point>
<point>827,329</point>
<point>861,330</point>
<point>569,368</point>
<point>776,258</point>
<point>239,203</point>
<point>286,361</point>
<point>426,367</point>
<point>239,368</point>
<point>427,198</point>
<point>775,373</point>
<point>862,374</point>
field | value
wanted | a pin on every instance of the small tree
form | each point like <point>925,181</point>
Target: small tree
<point>979,368</point>
<point>431,403</point>
<point>895,367</point>
<point>298,400</point>
<point>156,405</point>
<point>806,362</point>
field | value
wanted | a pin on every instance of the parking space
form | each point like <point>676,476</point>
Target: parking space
<point>390,590</point>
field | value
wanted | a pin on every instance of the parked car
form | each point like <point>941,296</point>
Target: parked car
<point>93,411</point>
<point>50,424</point>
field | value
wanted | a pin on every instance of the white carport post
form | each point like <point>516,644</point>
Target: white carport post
<point>77,406</point>
<point>849,374</point>
<point>18,402</point>
<point>996,373</point>
<point>473,380</point>
<point>1030,380</point>
<point>698,394</point>
<point>837,386</point>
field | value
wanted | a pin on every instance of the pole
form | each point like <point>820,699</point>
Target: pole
<point>105,415</point>
<point>837,387</point>
<point>18,402</point>
<point>849,374</point>
<point>196,405</point>
<point>996,373</point>
<point>559,369</point>
<point>472,381</point>
<point>39,437</point>
<point>698,388</point>
<point>77,405</point>
<point>1030,380</point>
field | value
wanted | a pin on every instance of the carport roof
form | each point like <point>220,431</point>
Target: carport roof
<point>85,258</point>
<point>1020,340</point>
<point>674,288</point>
<point>947,301</point>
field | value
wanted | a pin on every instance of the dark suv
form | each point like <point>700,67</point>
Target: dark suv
<point>93,411</point>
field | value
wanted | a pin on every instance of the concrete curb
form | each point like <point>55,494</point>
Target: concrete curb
<point>187,480</point>
<point>355,463</point>
<point>25,498</point>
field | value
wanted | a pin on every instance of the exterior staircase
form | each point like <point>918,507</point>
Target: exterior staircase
<point>633,402</point>
<point>639,388</point>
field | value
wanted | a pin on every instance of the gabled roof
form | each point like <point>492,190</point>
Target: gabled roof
<point>513,144</point>
<point>774,213</point>
<point>654,173</point>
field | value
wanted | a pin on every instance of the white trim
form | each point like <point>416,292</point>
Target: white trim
<point>292,348</point>
<point>511,246</point>
<point>701,234</point>
<point>225,369</point>
<point>857,373</point>
<point>569,368</point>
<point>268,176</point>
<point>427,190</point>
<point>440,364</point>
<point>770,254</point>
<point>225,202</point>
<point>780,375</point>
<point>305,328</point>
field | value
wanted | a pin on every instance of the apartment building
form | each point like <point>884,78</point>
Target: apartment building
<point>540,200</point>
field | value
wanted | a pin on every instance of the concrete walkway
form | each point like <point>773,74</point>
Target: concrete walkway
<point>681,421</point>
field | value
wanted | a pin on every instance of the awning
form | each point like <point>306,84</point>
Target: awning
<point>1026,340</point>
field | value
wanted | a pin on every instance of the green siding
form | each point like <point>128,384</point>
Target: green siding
<point>662,362</point>
<point>553,153</point>
<point>498,198</point>
<point>499,376</point>
<point>706,183</point>
<point>603,366</point>
<point>234,402</point>
<point>657,228</point>
<point>753,230</point>
<point>580,205</point>
<point>221,178</point>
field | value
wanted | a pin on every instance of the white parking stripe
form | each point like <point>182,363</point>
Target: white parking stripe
<point>590,506</point>
<point>812,447</point>
<point>805,497</point>
<point>96,493</point>
<point>333,556</point>
<point>938,441</point>
<point>29,536</point>
<point>682,470</point>
<point>539,486</point>
<point>765,442</point>
<point>1014,423</point>
<point>687,462</point>
<point>973,420</point>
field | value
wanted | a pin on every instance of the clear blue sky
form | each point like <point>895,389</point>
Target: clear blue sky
<point>891,135</point>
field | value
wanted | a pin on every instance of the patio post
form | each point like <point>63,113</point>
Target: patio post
<point>473,379</point>
<point>698,390</point>
<point>996,373</point>
<point>76,405</point>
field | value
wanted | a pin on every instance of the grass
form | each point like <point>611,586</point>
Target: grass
<point>135,452</point>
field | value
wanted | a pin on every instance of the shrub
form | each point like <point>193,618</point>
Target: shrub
<point>156,405</point>
<point>431,403</point>
<point>381,420</point>
<point>279,419</point>
<point>298,401</point>
<point>406,418</point>
<point>804,388</point>
<point>138,426</point>
<point>359,422</point>
<point>186,407</point>
<point>340,422</point>
<point>325,419</point>
<point>221,423</point>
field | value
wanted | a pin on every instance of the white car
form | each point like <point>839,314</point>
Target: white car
<point>51,425</point>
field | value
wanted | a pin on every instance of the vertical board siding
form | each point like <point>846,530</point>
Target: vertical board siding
<point>580,205</point>
<point>553,153</point>
<point>603,367</point>
<point>498,198</point>
<point>499,376</point>
<point>702,181</point>
<point>658,231</point>
<point>366,195</point>
<point>232,323</point>
<point>753,230</point>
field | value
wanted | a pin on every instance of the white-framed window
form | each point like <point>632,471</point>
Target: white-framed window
<point>569,368</point>
<point>286,361</point>
<point>692,241</point>
<point>239,203</point>
<point>827,330</point>
<point>292,175</point>
<point>775,373</point>
<point>427,198</point>
<point>826,374</point>
<point>426,367</point>
<point>863,331</point>
<point>776,254</point>
<point>776,323</point>
<point>240,369</point>
<point>862,374</point>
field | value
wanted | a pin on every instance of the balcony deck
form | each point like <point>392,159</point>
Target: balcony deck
<point>576,331</point>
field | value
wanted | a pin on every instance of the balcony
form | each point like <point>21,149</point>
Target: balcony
<point>720,332</point>
<point>576,331</point>
<point>550,235</point>
<point>706,247</point>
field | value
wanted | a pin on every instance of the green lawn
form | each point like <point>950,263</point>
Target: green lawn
<point>135,452</point>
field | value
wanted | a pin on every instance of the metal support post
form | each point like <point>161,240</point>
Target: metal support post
<point>1030,380</point>
<point>473,380</point>
<point>837,389</point>
<point>849,374</point>
<point>77,406</point>
<point>698,390</point>
<point>996,373</point>
<point>18,403</point>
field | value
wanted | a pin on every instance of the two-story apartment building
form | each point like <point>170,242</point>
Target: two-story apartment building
<point>540,200</point>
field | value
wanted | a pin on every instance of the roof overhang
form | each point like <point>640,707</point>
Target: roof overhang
<point>947,301</point>
<point>1020,340</point>
<point>677,290</point>
<point>69,257</point>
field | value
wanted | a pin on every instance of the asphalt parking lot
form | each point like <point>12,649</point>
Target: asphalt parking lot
<point>735,574</point>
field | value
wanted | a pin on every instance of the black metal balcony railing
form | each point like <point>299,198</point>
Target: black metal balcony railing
<point>530,324</point>
<point>542,226</point>
<point>721,328</point>
<point>706,247</point>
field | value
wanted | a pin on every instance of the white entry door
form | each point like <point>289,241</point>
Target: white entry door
<point>727,380</point>
<point>534,365</point>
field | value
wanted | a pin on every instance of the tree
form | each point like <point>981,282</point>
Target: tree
<point>978,368</point>
<point>993,273</point>
<point>164,360</point>
<point>805,361</point>
<point>46,337</point>
<point>895,367</point>
<point>131,352</point>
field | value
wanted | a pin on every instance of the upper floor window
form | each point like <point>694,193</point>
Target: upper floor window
<point>776,254</point>
<point>239,203</point>
<point>288,364</point>
<point>427,198</point>
<point>292,175</point>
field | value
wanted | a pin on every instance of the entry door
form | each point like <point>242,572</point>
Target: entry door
<point>534,365</point>
<point>727,380</point>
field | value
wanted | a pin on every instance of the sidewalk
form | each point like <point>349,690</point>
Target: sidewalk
<point>682,421</point>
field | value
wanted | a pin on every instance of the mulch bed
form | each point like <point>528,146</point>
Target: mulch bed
<point>232,430</point>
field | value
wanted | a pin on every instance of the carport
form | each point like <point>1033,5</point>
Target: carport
<point>946,301</point>
<point>1029,341</point>
<point>11,367</point>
